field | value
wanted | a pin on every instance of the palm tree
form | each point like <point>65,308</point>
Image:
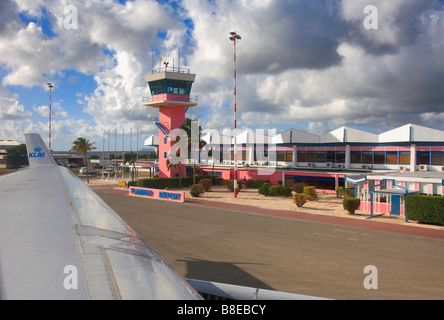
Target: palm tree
<point>81,145</point>
<point>131,158</point>
<point>186,126</point>
<point>177,165</point>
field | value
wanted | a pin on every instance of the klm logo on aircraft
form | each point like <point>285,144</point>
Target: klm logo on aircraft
<point>37,153</point>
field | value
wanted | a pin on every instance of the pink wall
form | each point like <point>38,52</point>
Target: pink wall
<point>379,207</point>
<point>172,118</point>
<point>273,179</point>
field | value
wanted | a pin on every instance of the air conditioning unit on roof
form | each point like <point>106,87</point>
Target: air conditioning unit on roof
<point>423,167</point>
<point>329,164</point>
<point>310,164</point>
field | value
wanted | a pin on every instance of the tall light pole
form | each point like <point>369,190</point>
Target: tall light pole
<point>234,37</point>
<point>50,112</point>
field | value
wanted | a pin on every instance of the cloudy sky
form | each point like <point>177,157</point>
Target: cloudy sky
<point>313,65</point>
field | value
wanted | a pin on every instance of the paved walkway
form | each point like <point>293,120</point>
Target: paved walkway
<point>409,228</point>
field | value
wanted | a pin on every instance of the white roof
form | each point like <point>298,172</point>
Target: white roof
<point>407,133</point>
<point>152,140</point>
<point>296,136</point>
<point>8,143</point>
<point>412,133</point>
<point>250,136</point>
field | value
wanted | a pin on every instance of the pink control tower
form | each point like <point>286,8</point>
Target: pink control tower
<point>170,92</point>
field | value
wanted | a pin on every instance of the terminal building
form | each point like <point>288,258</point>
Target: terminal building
<point>382,168</point>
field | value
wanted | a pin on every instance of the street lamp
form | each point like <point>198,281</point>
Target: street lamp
<point>234,37</point>
<point>50,112</point>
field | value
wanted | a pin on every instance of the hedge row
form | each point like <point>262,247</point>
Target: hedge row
<point>275,191</point>
<point>425,208</point>
<point>162,183</point>
<point>255,183</point>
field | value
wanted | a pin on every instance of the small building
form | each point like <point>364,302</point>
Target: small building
<point>69,160</point>
<point>385,192</point>
<point>5,145</point>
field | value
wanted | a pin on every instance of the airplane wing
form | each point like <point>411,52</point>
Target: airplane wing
<point>59,240</point>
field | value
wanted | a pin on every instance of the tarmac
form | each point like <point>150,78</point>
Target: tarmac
<point>399,226</point>
<point>289,251</point>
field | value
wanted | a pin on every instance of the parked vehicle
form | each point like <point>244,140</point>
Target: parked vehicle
<point>90,172</point>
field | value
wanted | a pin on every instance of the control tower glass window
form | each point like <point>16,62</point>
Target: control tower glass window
<point>170,86</point>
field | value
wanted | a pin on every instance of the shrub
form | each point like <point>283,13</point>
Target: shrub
<point>215,180</point>
<point>299,199</point>
<point>310,191</point>
<point>230,185</point>
<point>131,184</point>
<point>425,208</point>
<point>264,189</point>
<point>339,191</point>
<point>206,183</point>
<point>162,183</point>
<point>351,204</point>
<point>280,191</point>
<point>174,182</point>
<point>196,190</point>
<point>299,187</point>
<point>255,183</point>
<point>348,192</point>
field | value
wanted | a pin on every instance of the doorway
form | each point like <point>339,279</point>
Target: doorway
<point>396,205</point>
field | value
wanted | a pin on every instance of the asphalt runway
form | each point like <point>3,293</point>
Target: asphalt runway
<point>285,254</point>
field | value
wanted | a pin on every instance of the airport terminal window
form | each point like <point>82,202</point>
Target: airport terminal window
<point>423,157</point>
<point>356,157</point>
<point>311,156</point>
<point>404,157</point>
<point>326,183</point>
<point>340,157</point>
<point>213,173</point>
<point>392,157</point>
<point>379,157</point>
<point>320,156</point>
<point>438,158</point>
<point>367,157</point>
<point>289,156</point>
<point>302,156</point>
<point>330,156</point>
